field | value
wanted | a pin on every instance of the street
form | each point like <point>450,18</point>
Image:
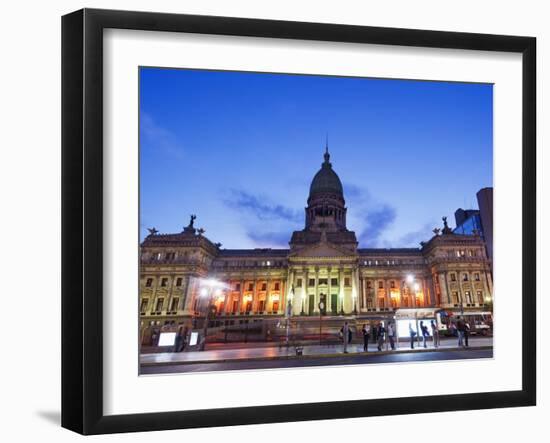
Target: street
<point>350,359</point>
<point>312,355</point>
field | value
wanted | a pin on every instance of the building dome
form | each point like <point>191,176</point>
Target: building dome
<point>326,181</point>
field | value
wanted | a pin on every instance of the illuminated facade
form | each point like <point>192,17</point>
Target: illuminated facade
<point>322,267</point>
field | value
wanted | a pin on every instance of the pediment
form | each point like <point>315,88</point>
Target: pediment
<point>323,250</point>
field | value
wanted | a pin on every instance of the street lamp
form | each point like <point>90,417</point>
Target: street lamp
<point>289,312</point>
<point>209,288</point>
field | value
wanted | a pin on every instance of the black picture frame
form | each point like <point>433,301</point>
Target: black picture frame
<point>82,218</point>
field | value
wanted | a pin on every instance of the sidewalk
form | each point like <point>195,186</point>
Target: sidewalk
<point>272,353</point>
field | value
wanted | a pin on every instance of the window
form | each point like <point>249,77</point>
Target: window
<point>174,304</point>
<point>334,282</point>
<point>347,281</point>
<point>235,306</point>
<point>237,286</point>
<point>465,277</point>
<point>455,298</point>
<point>380,285</point>
<point>323,281</point>
<point>468,297</point>
<point>369,303</point>
<point>264,286</point>
<point>392,284</point>
<point>480,297</point>
<point>160,302</point>
<point>275,305</point>
<point>453,277</point>
<point>476,276</point>
<point>369,284</point>
<point>164,282</point>
<point>149,282</point>
<point>144,303</point>
<point>261,306</point>
<point>170,255</point>
<point>381,302</point>
<point>276,286</point>
<point>299,283</point>
<point>179,281</point>
<point>311,282</point>
<point>250,286</point>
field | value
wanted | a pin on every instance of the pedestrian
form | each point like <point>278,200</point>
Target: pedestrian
<point>179,340</point>
<point>460,326</point>
<point>435,334</point>
<point>391,335</point>
<point>466,333</point>
<point>381,334</point>
<point>425,333</point>
<point>412,334</point>
<point>366,337</point>
<point>349,335</point>
<point>375,334</point>
<point>345,336</point>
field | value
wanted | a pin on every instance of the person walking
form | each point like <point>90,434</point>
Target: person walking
<point>179,340</point>
<point>381,334</point>
<point>345,336</point>
<point>391,335</point>
<point>460,326</point>
<point>366,337</point>
<point>466,333</point>
<point>425,333</point>
<point>435,334</point>
<point>374,334</point>
<point>412,334</point>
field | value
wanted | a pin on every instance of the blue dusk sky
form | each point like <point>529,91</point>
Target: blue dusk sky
<point>239,150</point>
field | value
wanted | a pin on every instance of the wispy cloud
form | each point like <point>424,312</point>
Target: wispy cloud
<point>413,238</point>
<point>267,224</point>
<point>261,208</point>
<point>376,223</point>
<point>273,239</point>
<point>160,138</point>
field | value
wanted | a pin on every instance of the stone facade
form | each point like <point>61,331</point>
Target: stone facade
<point>322,264</point>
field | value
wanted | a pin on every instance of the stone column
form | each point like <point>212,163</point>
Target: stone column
<point>354,290</point>
<point>189,290</point>
<point>241,296</point>
<point>329,295</point>
<point>341,293</point>
<point>387,293</point>
<point>255,301</point>
<point>486,290</point>
<point>153,295</point>
<point>445,296</point>
<point>316,289</point>
<point>267,300</point>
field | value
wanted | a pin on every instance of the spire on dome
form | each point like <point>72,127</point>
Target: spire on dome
<point>327,155</point>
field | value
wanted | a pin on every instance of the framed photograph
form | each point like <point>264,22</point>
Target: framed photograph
<point>268,221</point>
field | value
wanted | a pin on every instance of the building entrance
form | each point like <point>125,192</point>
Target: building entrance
<point>334,303</point>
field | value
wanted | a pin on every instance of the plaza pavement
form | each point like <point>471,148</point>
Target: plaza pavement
<point>308,351</point>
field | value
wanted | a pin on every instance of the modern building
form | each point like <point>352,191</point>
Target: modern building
<point>322,272</point>
<point>478,221</point>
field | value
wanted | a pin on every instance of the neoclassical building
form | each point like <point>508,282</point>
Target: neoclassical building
<point>323,269</point>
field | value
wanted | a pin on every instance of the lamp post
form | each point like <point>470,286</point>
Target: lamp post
<point>412,283</point>
<point>289,313</point>
<point>321,307</point>
<point>209,288</point>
